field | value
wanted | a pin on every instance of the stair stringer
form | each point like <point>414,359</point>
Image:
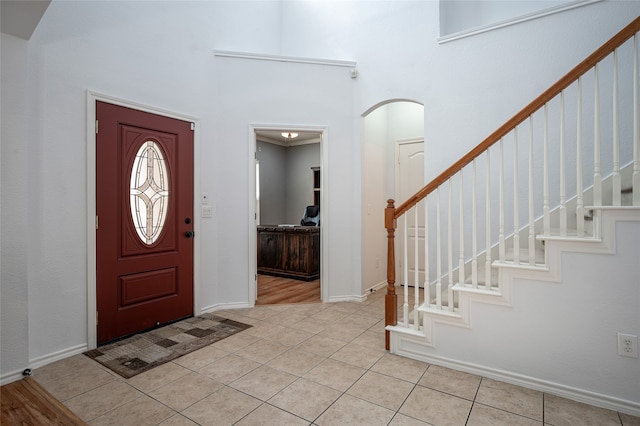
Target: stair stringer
<point>406,341</point>
<point>421,344</point>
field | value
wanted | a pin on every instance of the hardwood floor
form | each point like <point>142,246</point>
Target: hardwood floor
<point>25,402</point>
<point>276,290</point>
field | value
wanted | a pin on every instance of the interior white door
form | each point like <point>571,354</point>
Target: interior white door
<point>409,179</point>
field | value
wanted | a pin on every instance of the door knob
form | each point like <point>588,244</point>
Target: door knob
<point>188,234</point>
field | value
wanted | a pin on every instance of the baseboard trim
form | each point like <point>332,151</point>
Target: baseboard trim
<point>57,356</point>
<point>11,377</point>
<point>42,361</point>
<point>223,306</point>
<point>353,298</point>
<point>375,288</point>
<point>408,347</point>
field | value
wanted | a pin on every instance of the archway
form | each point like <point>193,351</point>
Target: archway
<point>384,126</point>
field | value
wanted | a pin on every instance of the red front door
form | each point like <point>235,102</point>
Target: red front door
<point>144,224</point>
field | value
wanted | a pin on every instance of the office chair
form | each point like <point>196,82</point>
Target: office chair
<point>311,216</point>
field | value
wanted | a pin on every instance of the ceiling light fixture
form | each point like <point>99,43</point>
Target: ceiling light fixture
<point>289,135</point>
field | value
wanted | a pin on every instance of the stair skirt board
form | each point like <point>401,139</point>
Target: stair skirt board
<point>418,342</point>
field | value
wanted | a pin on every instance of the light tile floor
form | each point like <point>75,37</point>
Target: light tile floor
<point>318,364</point>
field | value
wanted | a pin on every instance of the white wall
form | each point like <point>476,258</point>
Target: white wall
<point>273,178</point>
<point>561,332</point>
<point>462,15</point>
<point>288,95</point>
<point>160,54</point>
<point>300,159</point>
<point>286,181</point>
<point>14,240</point>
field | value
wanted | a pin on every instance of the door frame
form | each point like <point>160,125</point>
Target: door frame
<point>396,167</point>
<point>92,97</point>
<point>324,204</point>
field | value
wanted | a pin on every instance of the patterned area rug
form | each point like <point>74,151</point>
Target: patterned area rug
<point>142,352</point>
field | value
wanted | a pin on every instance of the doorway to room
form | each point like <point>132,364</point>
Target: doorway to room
<point>288,208</point>
<point>392,132</point>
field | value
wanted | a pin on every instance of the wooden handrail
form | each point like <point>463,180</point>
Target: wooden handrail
<point>553,91</point>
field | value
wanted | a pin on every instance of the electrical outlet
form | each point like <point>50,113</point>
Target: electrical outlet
<point>628,345</point>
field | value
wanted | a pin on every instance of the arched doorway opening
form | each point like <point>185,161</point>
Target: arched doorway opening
<point>390,130</point>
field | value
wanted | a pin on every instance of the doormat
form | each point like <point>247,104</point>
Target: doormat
<point>142,352</point>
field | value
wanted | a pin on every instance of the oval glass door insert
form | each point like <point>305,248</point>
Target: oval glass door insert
<point>149,192</point>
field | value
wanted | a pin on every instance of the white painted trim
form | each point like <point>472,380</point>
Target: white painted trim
<point>324,203</point>
<point>517,20</point>
<point>278,58</point>
<point>42,361</point>
<point>92,97</point>
<point>412,346</point>
<point>354,298</point>
<point>222,307</point>
<point>57,356</point>
<point>381,285</point>
<point>11,377</point>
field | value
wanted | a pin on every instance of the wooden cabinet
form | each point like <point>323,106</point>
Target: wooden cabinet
<point>290,252</point>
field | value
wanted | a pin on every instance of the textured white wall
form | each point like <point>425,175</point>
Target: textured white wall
<point>562,333</point>
<point>287,95</point>
<point>300,159</point>
<point>273,199</point>
<point>160,54</point>
<point>14,240</point>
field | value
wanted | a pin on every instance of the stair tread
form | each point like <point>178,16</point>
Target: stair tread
<point>570,234</point>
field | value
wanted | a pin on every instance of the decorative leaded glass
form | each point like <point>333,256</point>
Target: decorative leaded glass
<point>149,192</point>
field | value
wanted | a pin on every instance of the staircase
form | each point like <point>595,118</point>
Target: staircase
<point>550,189</point>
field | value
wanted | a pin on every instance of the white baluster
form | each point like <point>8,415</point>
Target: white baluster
<point>450,247</point>
<point>501,241</point>
<point>532,236</point>
<point>636,126</point>
<point>438,254</point>
<point>516,206</point>
<point>474,230</point>
<point>416,269</point>
<point>597,176</point>
<point>461,232</point>
<point>405,292</point>
<point>487,263</point>
<point>427,283</point>
<point>563,185</point>
<point>450,297</point>
<point>546,213</point>
<point>616,178</point>
<point>579,195</point>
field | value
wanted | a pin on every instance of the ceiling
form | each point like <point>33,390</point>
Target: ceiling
<point>21,17</point>
<point>274,136</point>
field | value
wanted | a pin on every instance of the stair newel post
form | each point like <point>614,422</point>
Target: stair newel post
<point>391,298</point>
